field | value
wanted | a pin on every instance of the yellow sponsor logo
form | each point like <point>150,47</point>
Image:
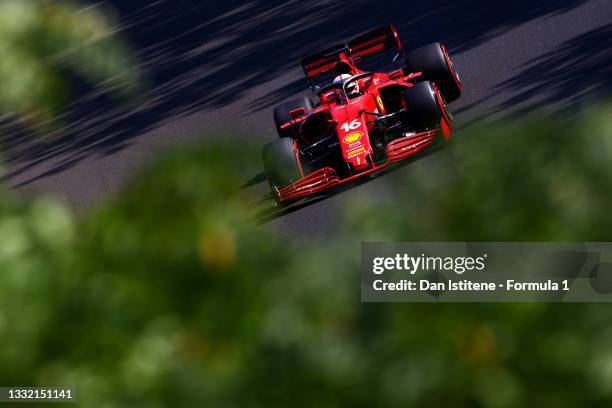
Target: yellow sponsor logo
<point>355,152</point>
<point>380,104</point>
<point>352,137</point>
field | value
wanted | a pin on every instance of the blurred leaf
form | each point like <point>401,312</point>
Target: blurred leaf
<point>42,43</point>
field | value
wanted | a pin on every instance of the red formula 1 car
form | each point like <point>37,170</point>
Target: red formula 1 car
<point>364,120</point>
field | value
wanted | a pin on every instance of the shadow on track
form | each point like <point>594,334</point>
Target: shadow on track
<point>207,54</point>
<point>570,75</point>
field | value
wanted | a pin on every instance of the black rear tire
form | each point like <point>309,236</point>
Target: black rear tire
<point>435,64</point>
<point>282,114</point>
<point>425,107</point>
<point>281,162</point>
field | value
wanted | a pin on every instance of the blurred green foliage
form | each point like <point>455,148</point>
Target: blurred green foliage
<point>169,295</point>
<point>43,42</point>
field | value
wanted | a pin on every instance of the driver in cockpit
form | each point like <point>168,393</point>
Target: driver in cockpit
<point>343,71</point>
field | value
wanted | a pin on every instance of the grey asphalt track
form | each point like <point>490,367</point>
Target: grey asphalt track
<point>222,67</point>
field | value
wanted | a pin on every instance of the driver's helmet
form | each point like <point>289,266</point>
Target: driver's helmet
<point>352,88</point>
<point>339,80</point>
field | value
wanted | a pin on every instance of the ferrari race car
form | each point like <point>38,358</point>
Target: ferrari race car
<point>364,120</point>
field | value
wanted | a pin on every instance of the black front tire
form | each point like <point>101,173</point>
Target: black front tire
<point>282,114</point>
<point>281,162</point>
<point>435,64</point>
<point>425,107</point>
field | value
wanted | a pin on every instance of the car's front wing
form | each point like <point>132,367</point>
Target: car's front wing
<point>327,177</point>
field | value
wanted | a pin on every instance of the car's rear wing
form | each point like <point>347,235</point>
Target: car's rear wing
<point>372,42</point>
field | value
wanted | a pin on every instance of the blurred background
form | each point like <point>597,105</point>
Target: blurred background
<point>161,288</point>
